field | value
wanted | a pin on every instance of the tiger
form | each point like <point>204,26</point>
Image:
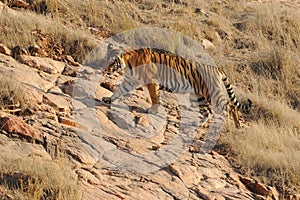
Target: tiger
<point>161,69</point>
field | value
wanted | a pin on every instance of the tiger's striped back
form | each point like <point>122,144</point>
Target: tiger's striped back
<point>158,68</point>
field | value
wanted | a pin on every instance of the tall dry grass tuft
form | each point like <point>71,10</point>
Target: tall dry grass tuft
<point>269,151</point>
<point>269,147</point>
<point>278,71</point>
<point>12,96</point>
<point>276,59</point>
<point>92,13</point>
<point>36,179</point>
<point>17,29</point>
<point>274,24</point>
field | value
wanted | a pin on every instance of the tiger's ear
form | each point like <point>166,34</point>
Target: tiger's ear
<point>113,50</point>
<point>110,53</point>
<point>121,50</point>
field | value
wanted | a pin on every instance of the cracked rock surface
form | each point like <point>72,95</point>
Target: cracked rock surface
<point>120,152</point>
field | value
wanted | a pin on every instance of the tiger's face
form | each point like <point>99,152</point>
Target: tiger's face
<point>117,65</point>
<point>114,57</point>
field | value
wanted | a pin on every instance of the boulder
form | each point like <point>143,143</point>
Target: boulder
<point>33,95</point>
<point>44,64</point>
<point>15,125</point>
<point>20,149</point>
<point>79,152</point>
<point>259,188</point>
<point>23,73</point>
<point>57,101</point>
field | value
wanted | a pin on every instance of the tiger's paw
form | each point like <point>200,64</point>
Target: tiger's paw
<point>106,100</point>
<point>204,122</point>
<point>153,109</point>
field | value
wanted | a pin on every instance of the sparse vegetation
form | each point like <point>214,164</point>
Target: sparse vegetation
<point>12,97</point>
<point>36,179</point>
<point>259,47</point>
<point>19,30</point>
<point>269,66</point>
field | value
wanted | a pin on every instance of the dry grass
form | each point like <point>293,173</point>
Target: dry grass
<point>91,13</point>
<point>268,64</point>
<point>17,29</point>
<point>257,44</point>
<point>36,179</point>
<point>12,96</point>
<point>270,152</point>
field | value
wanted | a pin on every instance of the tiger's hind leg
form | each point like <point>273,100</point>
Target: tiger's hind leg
<point>233,111</point>
<point>203,108</point>
<point>153,92</point>
<point>206,112</point>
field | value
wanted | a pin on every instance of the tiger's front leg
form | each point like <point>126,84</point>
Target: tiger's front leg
<point>115,95</point>
<point>110,99</point>
<point>153,92</point>
<point>126,86</point>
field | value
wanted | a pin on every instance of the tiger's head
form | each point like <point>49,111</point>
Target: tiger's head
<point>115,58</point>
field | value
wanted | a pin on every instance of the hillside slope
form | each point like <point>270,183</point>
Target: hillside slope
<point>48,152</point>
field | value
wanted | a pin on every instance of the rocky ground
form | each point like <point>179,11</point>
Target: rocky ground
<point>111,153</point>
<point>54,124</point>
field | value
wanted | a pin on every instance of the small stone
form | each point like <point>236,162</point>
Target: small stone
<point>102,92</point>
<point>19,4</point>
<point>274,192</point>
<point>34,50</point>
<point>55,90</point>
<point>70,71</point>
<point>88,177</point>
<point>207,45</point>
<point>50,116</point>
<point>143,120</point>
<point>107,85</point>
<point>69,122</point>
<point>5,50</point>
<point>71,60</point>
<point>155,147</point>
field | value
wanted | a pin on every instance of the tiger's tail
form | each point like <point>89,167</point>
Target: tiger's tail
<point>232,97</point>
